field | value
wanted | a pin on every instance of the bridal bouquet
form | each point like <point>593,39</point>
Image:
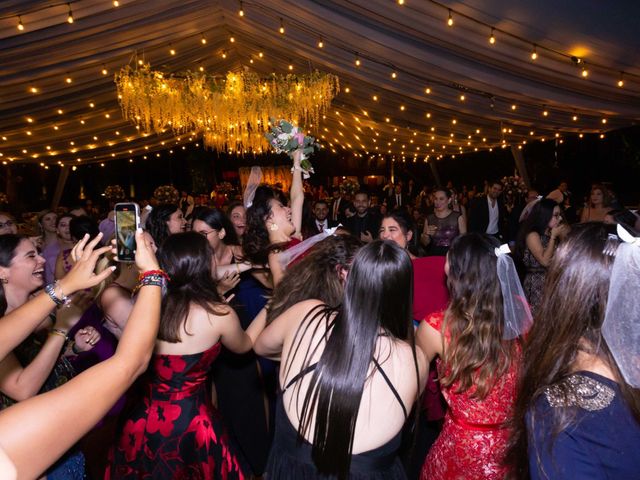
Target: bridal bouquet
<point>284,137</point>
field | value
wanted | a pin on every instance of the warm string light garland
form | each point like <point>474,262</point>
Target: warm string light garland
<point>427,89</point>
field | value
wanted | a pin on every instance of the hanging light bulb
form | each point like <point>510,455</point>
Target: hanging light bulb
<point>224,54</point>
<point>232,39</point>
<point>70,15</point>
<point>281,30</point>
<point>450,19</point>
<point>116,3</point>
<point>492,38</point>
<point>260,54</point>
<point>427,91</point>
<point>357,60</point>
<point>534,53</point>
<point>462,98</point>
<point>574,118</point>
<point>621,81</point>
<point>585,72</point>
<point>320,43</point>
<point>20,25</point>
<point>203,40</point>
<point>172,50</point>
<point>241,11</point>
<point>394,75</point>
<point>104,70</point>
<point>545,113</point>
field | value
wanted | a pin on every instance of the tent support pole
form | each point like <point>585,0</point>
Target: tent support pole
<point>521,166</point>
<point>62,179</point>
<point>434,171</point>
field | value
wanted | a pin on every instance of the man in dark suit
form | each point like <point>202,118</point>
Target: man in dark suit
<point>320,221</point>
<point>338,207</point>
<point>398,199</point>
<point>365,224</point>
<point>488,214</point>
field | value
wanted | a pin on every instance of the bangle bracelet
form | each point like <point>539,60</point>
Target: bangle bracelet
<point>51,291</point>
<point>59,332</point>
<point>238,268</point>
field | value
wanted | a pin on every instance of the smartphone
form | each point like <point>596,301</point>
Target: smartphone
<point>127,222</point>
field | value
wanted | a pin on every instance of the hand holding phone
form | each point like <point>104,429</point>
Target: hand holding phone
<point>127,218</point>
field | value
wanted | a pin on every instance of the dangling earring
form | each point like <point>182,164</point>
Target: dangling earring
<point>273,227</point>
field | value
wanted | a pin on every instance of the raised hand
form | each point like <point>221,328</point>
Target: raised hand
<point>85,257</point>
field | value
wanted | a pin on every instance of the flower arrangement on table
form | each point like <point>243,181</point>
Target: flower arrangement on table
<point>349,187</point>
<point>514,186</point>
<point>114,192</point>
<point>166,194</point>
<point>285,138</point>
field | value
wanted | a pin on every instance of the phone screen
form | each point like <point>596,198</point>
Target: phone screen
<point>126,224</point>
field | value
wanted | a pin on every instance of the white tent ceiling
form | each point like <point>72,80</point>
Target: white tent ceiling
<point>506,93</point>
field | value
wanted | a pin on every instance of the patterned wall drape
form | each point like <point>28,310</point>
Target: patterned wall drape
<point>271,176</point>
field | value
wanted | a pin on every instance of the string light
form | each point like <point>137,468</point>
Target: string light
<point>70,15</point>
<point>241,11</point>
<point>68,80</point>
<point>116,3</point>
<point>172,50</point>
<point>621,81</point>
<point>545,113</point>
<point>450,19</point>
<point>260,54</point>
<point>492,38</point>
<point>320,43</point>
<point>427,91</point>
<point>534,53</point>
<point>604,121</point>
<point>203,40</point>
<point>357,60</point>
<point>33,90</point>
<point>224,54</point>
<point>462,98</point>
<point>281,30</point>
<point>585,72</point>
<point>514,106</point>
<point>232,39</point>
<point>104,70</point>
<point>20,25</point>
<point>394,75</point>
<point>400,2</point>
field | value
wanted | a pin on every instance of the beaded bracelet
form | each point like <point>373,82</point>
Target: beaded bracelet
<point>148,273</point>
<point>157,278</point>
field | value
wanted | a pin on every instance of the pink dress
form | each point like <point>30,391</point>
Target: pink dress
<point>473,440</point>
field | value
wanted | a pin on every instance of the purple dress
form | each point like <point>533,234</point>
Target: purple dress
<point>447,230</point>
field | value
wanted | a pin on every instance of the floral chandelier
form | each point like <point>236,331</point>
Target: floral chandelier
<point>232,113</point>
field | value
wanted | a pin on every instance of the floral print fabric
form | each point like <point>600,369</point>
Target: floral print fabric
<point>174,432</point>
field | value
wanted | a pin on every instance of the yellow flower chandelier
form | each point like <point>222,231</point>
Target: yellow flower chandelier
<point>231,113</point>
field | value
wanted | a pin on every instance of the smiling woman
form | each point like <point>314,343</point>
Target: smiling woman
<point>36,365</point>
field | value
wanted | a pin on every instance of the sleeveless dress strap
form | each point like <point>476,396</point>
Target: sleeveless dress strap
<point>391,387</point>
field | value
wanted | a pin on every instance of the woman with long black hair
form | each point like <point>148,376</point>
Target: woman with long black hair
<point>346,388</point>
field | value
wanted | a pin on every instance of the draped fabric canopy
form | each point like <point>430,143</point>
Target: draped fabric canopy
<point>422,88</point>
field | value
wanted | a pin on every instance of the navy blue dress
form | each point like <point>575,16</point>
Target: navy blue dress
<point>600,443</point>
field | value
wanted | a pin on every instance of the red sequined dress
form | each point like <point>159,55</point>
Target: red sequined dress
<point>174,432</point>
<point>473,440</point>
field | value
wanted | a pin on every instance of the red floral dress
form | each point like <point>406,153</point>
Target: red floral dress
<point>473,440</point>
<point>174,432</point>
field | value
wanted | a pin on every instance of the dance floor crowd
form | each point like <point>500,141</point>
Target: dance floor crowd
<point>433,334</point>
